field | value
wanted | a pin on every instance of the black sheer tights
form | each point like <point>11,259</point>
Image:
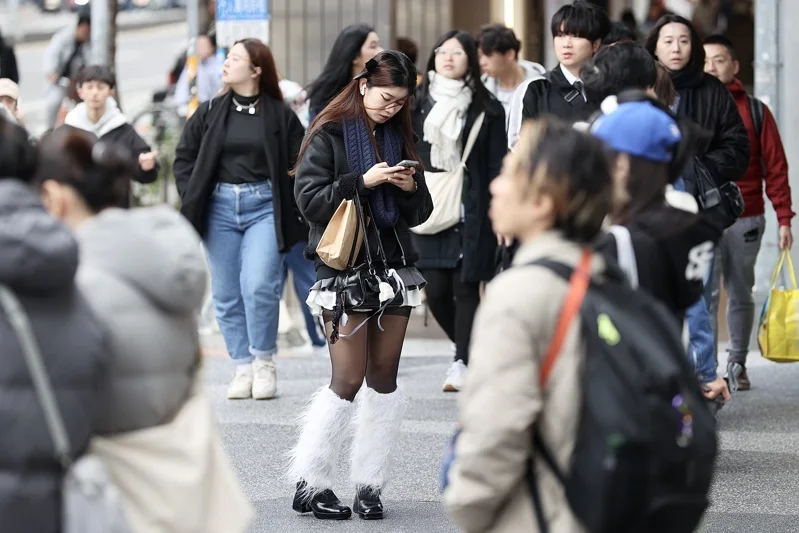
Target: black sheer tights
<point>369,353</point>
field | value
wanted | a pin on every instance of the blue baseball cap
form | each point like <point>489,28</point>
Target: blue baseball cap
<point>639,129</point>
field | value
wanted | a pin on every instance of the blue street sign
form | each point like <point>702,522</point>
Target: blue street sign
<point>241,10</point>
<point>239,19</point>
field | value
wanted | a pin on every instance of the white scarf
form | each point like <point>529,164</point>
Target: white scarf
<point>444,123</point>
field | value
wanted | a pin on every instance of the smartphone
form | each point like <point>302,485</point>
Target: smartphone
<point>408,163</point>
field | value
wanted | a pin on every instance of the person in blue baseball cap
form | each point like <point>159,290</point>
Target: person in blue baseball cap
<point>656,234</point>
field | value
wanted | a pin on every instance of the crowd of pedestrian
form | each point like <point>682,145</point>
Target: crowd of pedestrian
<point>555,222</point>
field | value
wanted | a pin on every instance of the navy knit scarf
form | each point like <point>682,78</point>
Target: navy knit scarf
<point>361,157</point>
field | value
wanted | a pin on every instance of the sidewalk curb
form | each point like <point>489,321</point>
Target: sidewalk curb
<point>165,20</point>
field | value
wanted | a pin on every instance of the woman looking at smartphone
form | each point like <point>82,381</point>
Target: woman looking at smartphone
<point>457,259</point>
<point>352,151</point>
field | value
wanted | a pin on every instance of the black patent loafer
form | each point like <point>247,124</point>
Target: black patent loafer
<point>367,503</point>
<point>324,505</point>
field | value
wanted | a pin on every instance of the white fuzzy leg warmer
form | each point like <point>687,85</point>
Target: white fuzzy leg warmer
<point>325,424</point>
<point>378,418</point>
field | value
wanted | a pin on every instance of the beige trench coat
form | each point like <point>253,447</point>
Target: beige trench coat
<point>502,399</point>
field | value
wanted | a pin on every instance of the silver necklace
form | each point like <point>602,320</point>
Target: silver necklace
<point>249,107</point>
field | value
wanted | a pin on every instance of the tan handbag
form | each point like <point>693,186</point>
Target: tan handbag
<point>446,189</point>
<point>342,238</point>
<point>176,477</point>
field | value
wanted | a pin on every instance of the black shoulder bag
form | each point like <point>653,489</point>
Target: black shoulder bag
<point>721,205</point>
<point>368,287</point>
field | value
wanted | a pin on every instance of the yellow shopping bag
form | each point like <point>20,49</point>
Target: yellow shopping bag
<point>778,335</point>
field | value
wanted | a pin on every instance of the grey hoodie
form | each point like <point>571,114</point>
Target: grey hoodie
<point>111,119</point>
<point>532,71</point>
<point>38,260</point>
<point>144,273</point>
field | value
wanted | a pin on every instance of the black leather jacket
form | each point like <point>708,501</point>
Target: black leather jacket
<point>323,180</point>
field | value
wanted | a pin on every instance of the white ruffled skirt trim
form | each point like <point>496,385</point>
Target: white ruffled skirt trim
<point>323,295</point>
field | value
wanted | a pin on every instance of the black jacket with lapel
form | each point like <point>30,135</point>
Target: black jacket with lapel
<point>554,95</point>
<point>197,158</point>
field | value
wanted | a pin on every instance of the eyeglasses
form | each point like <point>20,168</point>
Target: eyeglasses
<point>453,52</point>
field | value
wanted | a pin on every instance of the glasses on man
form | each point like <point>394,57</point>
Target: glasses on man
<point>452,52</point>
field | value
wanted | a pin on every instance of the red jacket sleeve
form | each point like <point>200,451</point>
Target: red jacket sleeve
<point>778,188</point>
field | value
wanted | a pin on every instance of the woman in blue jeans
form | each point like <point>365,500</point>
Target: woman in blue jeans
<point>231,170</point>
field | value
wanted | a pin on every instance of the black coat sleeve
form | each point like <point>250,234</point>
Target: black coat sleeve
<point>137,147</point>
<point>296,133</point>
<point>9,60</point>
<point>497,140</point>
<point>317,188</point>
<point>416,207</point>
<point>727,157</point>
<point>531,104</point>
<point>188,148</point>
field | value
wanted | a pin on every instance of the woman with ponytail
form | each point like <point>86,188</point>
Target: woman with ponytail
<point>143,272</point>
<point>352,151</point>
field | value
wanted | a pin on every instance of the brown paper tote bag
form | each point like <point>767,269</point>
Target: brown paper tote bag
<point>342,238</point>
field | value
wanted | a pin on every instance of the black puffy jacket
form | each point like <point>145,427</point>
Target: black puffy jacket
<point>38,261</point>
<point>322,181</point>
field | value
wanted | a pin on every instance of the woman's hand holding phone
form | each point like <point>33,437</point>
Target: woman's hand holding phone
<point>403,179</point>
<point>382,173</point>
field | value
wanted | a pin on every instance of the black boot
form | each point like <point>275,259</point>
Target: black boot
<point>324,505</point>
<point>367,503</point>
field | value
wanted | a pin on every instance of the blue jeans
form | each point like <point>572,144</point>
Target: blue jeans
<point>304,275</point>
<point>246,269</point>
<point>702,344</point>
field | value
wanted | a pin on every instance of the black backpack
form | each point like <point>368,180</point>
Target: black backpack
<point>646,442</point>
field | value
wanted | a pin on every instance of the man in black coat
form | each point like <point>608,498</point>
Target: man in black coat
<point>577,32</point>
<point>99,114</point>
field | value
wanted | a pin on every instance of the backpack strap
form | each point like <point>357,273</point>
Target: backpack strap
<point>757,112</point>
<point>579,279</point>
<point>625,253</point>
<point>42,384</point>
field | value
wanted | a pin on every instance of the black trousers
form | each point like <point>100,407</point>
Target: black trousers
<point>453,304</point>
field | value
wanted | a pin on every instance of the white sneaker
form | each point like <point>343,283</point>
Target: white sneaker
<point>264,385</point>
<point>241,385</point>
<point>456,375</point>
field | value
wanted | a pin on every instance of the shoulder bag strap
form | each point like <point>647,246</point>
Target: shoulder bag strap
<point>472,139</point>
<point>352,256</point>
<point>578,286</point>
<point>362,222</point>
<point>41,381</point>
<point>625,253</point>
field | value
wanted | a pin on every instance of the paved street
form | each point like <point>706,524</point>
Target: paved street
<point>144,60</point>
<point>37,26</point>
<point>757,486</point>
